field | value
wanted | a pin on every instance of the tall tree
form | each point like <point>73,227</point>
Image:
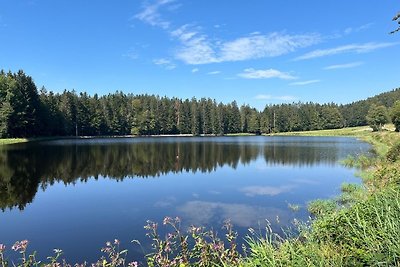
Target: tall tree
<point>377,116</point>
<point>395,115</point>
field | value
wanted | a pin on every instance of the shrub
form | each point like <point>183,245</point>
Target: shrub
<point>394,153</point>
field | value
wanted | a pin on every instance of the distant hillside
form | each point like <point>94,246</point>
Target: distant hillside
<point>354,113</point>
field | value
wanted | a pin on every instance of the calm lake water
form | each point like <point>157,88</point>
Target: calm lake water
<point>78,194</point>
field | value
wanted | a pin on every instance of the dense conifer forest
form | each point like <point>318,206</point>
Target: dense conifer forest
<point>26,111</point>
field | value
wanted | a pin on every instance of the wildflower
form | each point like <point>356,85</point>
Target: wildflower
<point>57,251</point>
<point>20,245</point>
<point>108,244</point>
<point>166,220</point>
<point>116,242</point>
<point>2,248</point>
<point>133,264</point>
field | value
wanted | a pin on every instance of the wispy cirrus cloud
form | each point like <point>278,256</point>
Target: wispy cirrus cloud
<point>304,82</point>
<point>197,48</point>
<point>214,72</point>
<point>167,64</point>
<point>352,48</point>
<point>251,73</point>
<point>150,14</point>
<point>195,70</point>
<point>280,98</point>
<point>344,66</point>
<point>364,27</point>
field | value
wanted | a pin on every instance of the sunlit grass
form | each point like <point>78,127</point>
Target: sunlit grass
<point>350,131</point>
<point>9,141</point>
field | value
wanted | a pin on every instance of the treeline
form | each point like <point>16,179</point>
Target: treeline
<point>26,111</point>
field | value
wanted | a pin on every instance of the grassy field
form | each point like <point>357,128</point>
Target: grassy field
<point>351,131</point>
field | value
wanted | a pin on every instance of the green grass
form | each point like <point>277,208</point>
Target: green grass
<point>350,131</point>
<point>322,207</point>
<point>9,141</point>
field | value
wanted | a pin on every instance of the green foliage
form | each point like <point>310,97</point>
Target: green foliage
<point>369,230</point>
<point>377,117</point>
<point>394,153</point>
<point>351,193</point>
<point>362,161</point>
<point>395,115</point>
<point>322,207</point>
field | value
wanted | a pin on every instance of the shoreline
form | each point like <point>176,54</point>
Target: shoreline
<point>11,141</point>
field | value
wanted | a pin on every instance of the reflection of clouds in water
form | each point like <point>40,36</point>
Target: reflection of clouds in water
<point>203,212</point>
<point>307,181</point>
<point>166,202</point>
<point>252,191</point>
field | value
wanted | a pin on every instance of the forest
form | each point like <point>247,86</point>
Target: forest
<point>27,112</point>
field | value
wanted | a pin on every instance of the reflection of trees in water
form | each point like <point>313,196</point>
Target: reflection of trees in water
<point>299,155</point>
<point>24,168</point>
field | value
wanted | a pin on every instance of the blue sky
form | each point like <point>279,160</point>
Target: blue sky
<point>256,52</point>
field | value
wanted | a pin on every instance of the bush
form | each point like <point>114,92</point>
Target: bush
<point>393,153</point>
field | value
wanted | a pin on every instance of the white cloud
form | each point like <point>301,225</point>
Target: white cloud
<point>214,72</point>
<point>195,48</point>
<point>167,64</point>
<point>260,46</point>
<point>195,70</point>
<point>352,48</point>
<point>305,82</point>
<point>364,27</point>
<point>281,98</point>
<point>344,66</point>
<point>198,48</point>
<point>150,14</point>
<point>251,73</point>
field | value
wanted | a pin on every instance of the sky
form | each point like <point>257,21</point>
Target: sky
<point>256,52</point>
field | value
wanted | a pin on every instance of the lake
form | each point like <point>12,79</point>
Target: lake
<point>77,194</point>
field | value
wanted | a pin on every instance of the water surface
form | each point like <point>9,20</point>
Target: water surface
<point>77,194</point>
